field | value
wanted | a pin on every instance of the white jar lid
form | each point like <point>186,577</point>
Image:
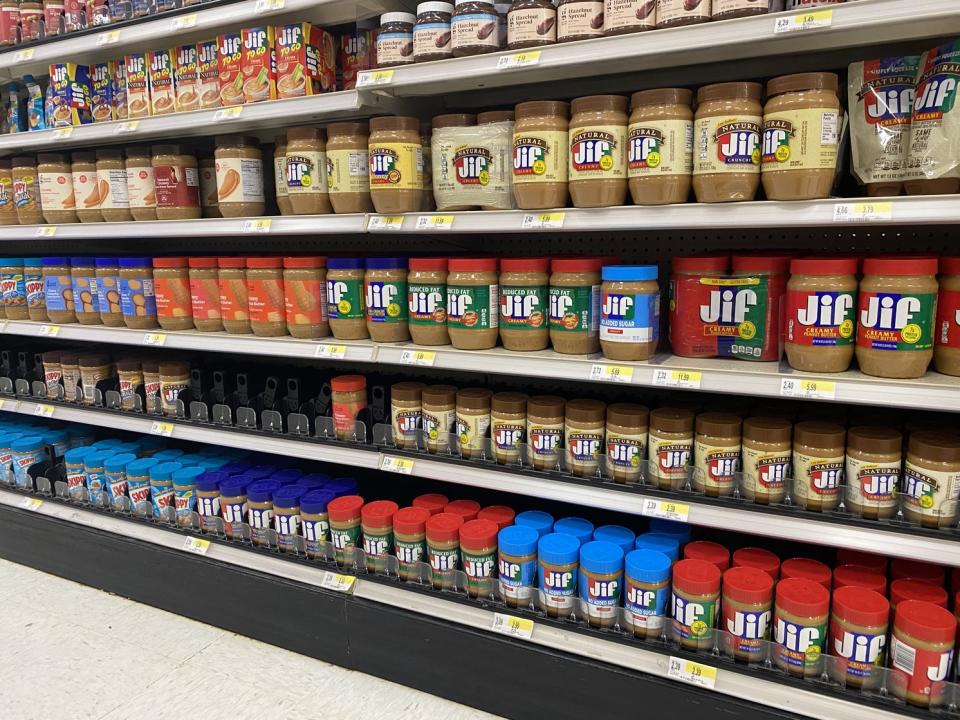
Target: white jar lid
<point>396,17</point>
<point>426,7</point>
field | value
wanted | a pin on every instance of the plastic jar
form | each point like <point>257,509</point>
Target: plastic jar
<point>579,19</point>
<point>13,290</point>
<point>674,13</point>
<point>31,16</point>
<point>630,312</point>
<point>161,486</point>
<point>500,514</point>
<point>508,426</point>
<point>448,135</point>
<point>209,204</point>
<point>807,569</point>
<point>376,525</point>
<point>57,200</point>
<point>927,572</point>
<point>52,372</point>
<point>70,367</point>
<point>233,504</point>
<point>431,34</point>
<point>540,162</point>
<point>472,303</point>
<point>443,548</point>
<point>801,136</point>
<point>475,28</point>
<point>946,351</point>
<point>406,409</point>
<point>531,23</point>
<point>386,300</point>
<point>600,582</point>
<point>185,494</point>
<point>280,174</point>
<point>176,183</point>
<point>473,421</point>
<point>76,478</point>
<point>545,425</point>
<point>27,451</point>
<point>315,522</point>
<point>439,416</point>
<point>746,609</point>
<point>820,314</point>
<point>767,459</point>
<point>858,633</point>
<point>728,9</point>
<point>174,378</point>
<point>800,618</point>
<point>171,283</point>
<point>716,453</point>
<point>265,296</point>
<point>345,308</point>
<point>239,164</point>
<point>208,500</point>
<point>647,580</point>
<point>396,164</point>
<point>26,190</point>
<point>306,172</point>
<point>234,303</point>
<point>86,186</point>
<point>260,510</point>
<point>523,303</point>
<point>433,503</point>
<point>94,468</point>
<point>205,294</point>
<point>727,125</point>
<point>8,208</point>
<point>584,427</point>
<point>138,302</point>
<point>765,345</point>
<point>921,651</point>
<point>83,282</point>
<point>130,376</point>
<point>517,564</point>
<point>9,22</point>
<point>758,558</point>
<point>141,190</point>
<point>305,297</point>
<point>711,552</point>
<point>597,168</point>
<point>34,290</point>
<point>395,39</point>
<point>660,146</point>
<point>897,306</point>
<point>575,305</point>
<point>427,287</point>
<point>410,540</point>
<point>558,566</point>
<point>863,576</point>
<point>58,290</point>
<point>695,597</point>
<point>115,478</point>
<point>931,479</point>
<point>580,528</point>
<point>349,399</point>
<point>904,589</point>
<point>478,550</point>
<point>818,463</point>
<point>626,444</point>
<point>286,516</point>
<point>112,185</point>
<point>671,446</point>
<point>349,167</point>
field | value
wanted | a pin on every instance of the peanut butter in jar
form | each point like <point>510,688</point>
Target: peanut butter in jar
<point>427,285</point>
<point>349,167</point>
<point>396,164</point>
<point>727,127</point>
<point>306,172</point>
<point>872,472</point>
<point>508,426</point>
<point>660,146</point>
<point>767,459</point>
<point>818,464</point>
<point>540,149</point>
<point>716,453</point>
<point>597,167</point>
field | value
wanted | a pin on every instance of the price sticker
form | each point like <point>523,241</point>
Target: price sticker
<point>61,133</point>
<point>229,113</point>
<point>418,357</point>
<point>31,503</point>
<point>260,225</point>
<point>2,403</point>
<point>108,38</point>
<point>337,582</point>
<point>263,6</point>
<point>335,352</point>
<point>49,330</point>
<point>161,428</point>
<point>810,389</point>
<point>404,466</point>
<point>543,221</point>
<point>863,211</point>
<point>692,672</point>
<point>512,625</point>
<point>385,222</point>
<point>612,373</point>
<point>804,21</point>
<point>156,339</point>
<point>196,545</point>
<point>46,231</point>
<point>434,222</point>
<point>371,78</point>
<point>665,509</point>
<point>185,21</point>
<point>677,378</point>
<point>127,127</point>
<point>43,410</point>
<point>23,55</point>
<point>520,59</point>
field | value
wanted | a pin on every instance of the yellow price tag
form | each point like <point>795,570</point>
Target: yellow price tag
<point>156,339</point>
<point>161,428</point>
<point>692,672</point>
<point>863,211</point>
<point>512,625</point>
<point>434,222</point>
<point>61,133</point>
<point>803,21</point>
<point>337,583</point>
<point>185,21</point>
<point>228,113</point>
<point>260,225</point>
<point>108,38</point>
<point>127,127</point>
<point>46,231</point>
<point>810,389</point>
<point>678,378</point>
<point>31,503</point>
<point>418,357</point>
<point>49,330</point>
<point>665,509</point>
<point>612,373</point>
<point>385,222</point>
<point>337,352</point>
<point>370,78</point>
<point>43,410</point>
<point>543,221</point>
<point>389,463</point>
<point>196,545</point>
<point>22,55</point>
<point>520,59</point>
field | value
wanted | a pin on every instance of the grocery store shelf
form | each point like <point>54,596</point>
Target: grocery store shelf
<point>852,25</point>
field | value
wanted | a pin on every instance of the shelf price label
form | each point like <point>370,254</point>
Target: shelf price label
<point>61,133</point>
<point>196,545</point>
<point>127,127</point>
<point>689,379</point>
<point>389,463</point>
<point>434,222</point>
<point>49,330</point>
<point>418,357</point>
<point>517,60</point>
<point>371,78</point>
<point>385,222</point>
<point>665,509</point>
<point>334,352</point>
<point>185,21</point>
<point>337,582</point>
<point>512,625</point>
<point>46,231</point>
<point>43,410</point>
<point>229,113</point>
<point>23,55</point>
<point>809,389</point>
<point>263,6</point>
<point>863,212</point>
<point>156,339</point>
<point>31,503</point>
<point>260,225</point>
<point>161,428</point>
<point>692,672</point>
<point>612,373</point>
<point>111,37</point>
<point>543,221</point>
<point>804,21</point>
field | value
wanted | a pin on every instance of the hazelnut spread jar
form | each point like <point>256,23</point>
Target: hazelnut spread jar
<point>716,453</point>
<point>305,297</point>
<point>579,19</point>
<point>726,158</point>
<point>86,187</point>
<point>728,9</point>
<point>897,308</point>
<point>575,305</point>
<point>629,312</point>
<point>345,309</point>
<point>473,421</point>
<point>26,190</point>
<point>801,136</point>
<point>818,463</point>
<point>671,446</point>
<point>545,422</point>
<point>239,165</point>
<point>395,40</point>
<point>931,479</point>
<point>540,155</point>
<point>385,298</point>
<point>177,183</point>
<point>621,17</point>
<point>306,172</point>
<point>473,306</point>
<point>767,449</point>
<point>531,23</point>
<point>585,424</point>
<point>523,303</point>
<point>660,146</point>
<point>475,28</point>
<point>112,183</point>
<point>427,292</point>
<point>946,351</point>
<point>508,426</point>
<point>872,471</point>
<point>141,192</point>
<point>626,445</point>
<point>348,167</point>
<point>673,13</point>
<point>57,200</point>
<point>821,314</point>
<point>396,164</point>
<point>597,166</point>
<point>431,34</point>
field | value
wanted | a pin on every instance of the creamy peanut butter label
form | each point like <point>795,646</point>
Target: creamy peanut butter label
<point>140,190</point>
<point>800,139</point>
<point>471,430</point>
<point>727,144</point>
<point>540,157</point>
<point>532,25</point>
<point>716,465</point>
<point>396,166</point>
<point>930,492</point>
<point>239,180</point>
<point>626,453</point>
<point>56,192</point>
<point>765,473</point>
<point>670,10</point>
<point>817,478</point>
<point>86,186</point>
<point>598,152</point>
<point>348,171</point>
<point>633,14</point>
<point>660,147</point>
<point>670,457</point>
<point>306,173</point>
<point>575,19</point>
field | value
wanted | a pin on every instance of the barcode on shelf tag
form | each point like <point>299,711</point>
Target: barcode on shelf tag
<point>64,132</point>
<point>434,222</point>
<point>196,545</point>
<point>127,127</point>
<point>804,21</point>
<point>43,410</point>
<point>385,222</point>
<point>337,582</point>
<point>161,428</point>
<point>811,389</point>
<point>23,55</point>
<point>260,225</point>
<point>863,211</point>
<point>512,625</point>
<point>418,357</point>
<point>370,78</point>
<point>31,503</point>
<point>154,339</point>
<point>543,221</point>
<point>46,231</point>
<point>677,378</point>
<point>108,38</point>
<point>665,509</point>
<point>227,113</point>
<point>692,672</point>
<point>520,59</point>
<point>49,330</point>
<point>612,373</point>
<point>185,21</point>
<point>404,466</point>
<point>331,351</point>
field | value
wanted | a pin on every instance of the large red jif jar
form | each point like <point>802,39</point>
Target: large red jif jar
<point>921,650</point>
<point>858,634</point>
<point>776,269</point>
<point>687,295</point>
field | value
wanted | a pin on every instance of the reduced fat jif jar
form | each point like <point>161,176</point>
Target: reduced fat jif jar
<point>574,305</point>
<point>473,307</point>
<point>523,303</point>
<point>427,288</point>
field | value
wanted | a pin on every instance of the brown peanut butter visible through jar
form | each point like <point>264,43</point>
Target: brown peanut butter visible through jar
<point>57,200</point>
<point>767,450</point>
<point>8,208</point>
<point>585,423</point>
<point>872,473</point>
<point>386,299</point>
<point>660,152</point>
<point>818,463</point>
<point>575,305</point>
<point>931,479</point>
<point>396,164</point>
<point>86,186</point>
<point>265,296</point>
<point>524,301</point>
<point>305,294</point>
<point>280,174</point>
<point>141,190</point>
<point>540,143</point>
<point>239,164</point>
<point>427,286</point>
<point>674,13</point>
<point>345,298</point>
<point>205,294</point>
<point>598,151</point>
<point>729,9</point>
<point>716,452</point>
<point>626,446</point>
<point>83,274</point>
<point>177,183</point>
<point>670,438</point>
<point>349,166</point>
<point>209,202</point>
<point>508,425</point>
<point>234,303</point>
<point>26,190</point>
<point>306,172</point>
<point>473,306</point>
<point>112,184</point>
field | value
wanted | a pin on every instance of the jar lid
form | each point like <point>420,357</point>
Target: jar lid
<point>464,2</point>
<point>668,419</point>
<point>439,395</point>
<point>76,455</point>
<point>933,446</point>
<point>599,103</point>
<point>149,365</point>
<point>135,262</point>
<point>603,558</point>
<point>517,540</point>
<point>533,264</point>
<point>395,123</point>
<point>478,534</point>
<point>5,164</point>
<point>175,368</point>
<point>859,576</point>
<point>472,264</point>
<point>233,486</point>
<point>347,128</point>
<point>748,585</point>
<point>427,264</point>
<point>90,460</point>
<point>210,480</point>
<point>187,475</point>
<point>162,471</point>
<point>317,261</point>
<point>264,262</point>
<point>196,262</point>
<point>407,391</point>
<point>860,606</point>
<point>170,262</point>
<point>34,442</point>
<point>500,514</point>
<point>137,151</point>
<point>907,589</point>
<point>628,415</point>
<point>85,261</point>
<point>585,411</point>
<point>51,357</point>
<point>316,501</point>
<point>53,158</point>
<point>917,570</point>
<point>386,263</point>
<point>802,597</point>
<point>669,545</point>
<point>806,569</point>
<point>397,17</point>
<point>710,551</point>
<point>540,108</point>
<point>618,535</point>
<point>54,261</point>
<point>109,154</point>
<point>580,528</point>
<point>467,509</point>
<point>719,424</point>
<point>22,161</point>
<point>345,263</point>
<point>540,521</point>
<point>548,406</point>
<point>576,265</point>
<point>83,156</point>
<point>93,361</point>
<point>558,549</point>
<point>824,266</point>
<point>314,480</point>
<point>876,440</point>
<point>38,262</point>
<point>474,399</point>
<point>288,476</point>
<point>494,116</point>
<point>444,527</point>
<point>647,566</point>
<point>802,81</point>
<point>775,264</point>
<point>767,429</point>
<point>431,502</point>
<point>126,365</point>
<point>116,463</point>
<point>168,149</point>
<point>303,133</point>
<point>630,273</point>
<point>820,434</point>
<point>348,383</point>
<point>925,621</point>
<point>662,96</point>
<point>426,7</point>
<point>511,403</point>
<point>454,120</point>
<point>378,513</point>
<point>950,265</point>
<point>344,508</point>
<point>900,266</point>
<point>69,358</point>
<point>411,521</point>
<point>757,558</point>
<point>696,577</point>
<point>730,91</point>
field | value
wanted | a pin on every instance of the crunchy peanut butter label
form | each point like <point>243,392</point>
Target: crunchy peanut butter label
<point>765,473</point>
<point>660,147</point>
<point>716,465</point>
<point>727,144</point>
<point>598,152</point>
<point>801,140</point>
<point>540,157</point>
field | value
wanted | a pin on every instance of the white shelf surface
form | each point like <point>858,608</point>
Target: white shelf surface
<point>723,517</point>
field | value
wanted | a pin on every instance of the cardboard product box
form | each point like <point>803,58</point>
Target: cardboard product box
<point>185,77</point>
<point>70,95</point>
<point>259,64</point>
<point>138,85</point>
<point>306,61</point>
<point>229,53</point>
<point>208,74</point>
<point>119,89</point>
<point>102,96</point>
<point>357,52</point>
<point>162,95</point>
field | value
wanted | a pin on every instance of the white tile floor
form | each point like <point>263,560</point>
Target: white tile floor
<point>69,651</point>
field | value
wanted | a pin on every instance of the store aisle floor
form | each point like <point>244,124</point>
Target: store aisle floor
<point>67,650</point>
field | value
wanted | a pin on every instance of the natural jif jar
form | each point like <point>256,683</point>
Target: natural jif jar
<point>141,191</point>
<point>58,290</point>
<point>138,302</point>
<point>897,308</point>
<point>265,296</point>
<point>239,165</point>
<point>473,421</point>
<point>26,190</point>
<point>8,208</point>
<point>86,187</point>
<point>443,148</point>
<point>747,593</point>
<point>306,172</point>
<point>674,13</point>
<point>858,630</point>
<point>545,424</point>
<point>921,647</point>
<point>873,467</point>
<point>177,183</point>
<point>540,169</point>
<point>671,446</point>
<point>349,167</point>
<point>629,312</point>
<point>695,601</point>
<point>626,446</point>
<point>112,185</point>
<point>767,448</point>
<point>524,303</point>
<point>234,304</point>
<point>174,378</point>
<point>716,453</point>
<point>406,413</point>
<point>820,316</point>
<point>93,369</point>
<point>931,479</point>
<point>205,294</point>
<point>508,426</point>
<point>305,297</point>
<point>396,164</point>
<point>818,462</point>
<point>439,416</point>
<point>660,146</point>
<point>385,299</point>
<point>473,303</point>
<point>345,308</point>
<point>726,157</point>
<point>427,287</point>
<point>575,305</point>
<point>83,278</point>
<point>946,351</point>
<point>171,283</point>
<point>597,166</point>
<point>801,614</point>
<point>475,28</point>
<point>57,200</point>
<point>584,426</point>
<point>531,23</point>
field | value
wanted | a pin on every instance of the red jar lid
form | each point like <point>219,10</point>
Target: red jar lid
<point>202,262</point>
<point>860,606</point>
<point>748,585</point>
<point>859,576</point>
<point>761,263</point>
<point>846,556</point>
<point>808,570</point>
<point>231,262</point>
<point>500,514</point>
<point>540,264</point>
<point>478,535</point>
<point>576,265</point>
<point>378,513</point>
<point>345,508</point>
<point>802,597</point>
<point>701,263</point>
<point>709,551</point>
<point>904,589</point>
<point>444,527</point>
<point>907,265</point>
<point>315,261</point>
<point>916,570</point>
<point>472,264</point>
<point>758,558</point>
<point>432,502</point>
<point>348,383</point>
<point>411,520</point>
<point>950,265</point>
<point>169,262</point>
<point>925,621</point>
<point>427,263</point>
<point>824,266</point>
<point>467,509</point>
<point>696,577</point>
<point>264,262</point>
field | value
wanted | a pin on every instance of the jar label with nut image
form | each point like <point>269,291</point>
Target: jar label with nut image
<point>85,296</point>
<point>541,157</point>
<point>306,172</point>
<point>87,188</point>
<point>575,309</point>
<point>821,318</point>
<point>579,18</point>
<point>140,187</point>
<point>630,318</point>
<point>108,294</point>
<point>265,301</point>
<point>345,417</point>
<point>471,431</point>
<point>672,457</point>
<point>816,478</point>
<point>58,293</point>
<point>345,299</point>
<point>538,25</point>
<point>521,307</point>
<point>471,30</point>
<point>34,288</point>
<point>930,492</point>
<point>239,180</point>
<point>633,14</point>
<point>801,140</point>
<point>348,171</point>
<point>427,304</point>
<point>472,307</point>
<point>693,620</point>
<point>176,187</point>
<point>544,440</point>
<point>765,472</point>
<point>396,165</point>
<point>431,39</point>
<point>892,321</point>
<point>305,301</point>
<point>114,193</point>
<point>625,453</point>
<point>234,305</point>
<point>385,301</point>
<point>394,48</point>
<point>56,192</point>
<point>598,152</point>
<point>663,147</point>
<point>172,297</point>
<point>13,290</point>
<point>872,484</point>
<point>205,298</point>
<point>728,145</point>
<point>716,466</point>
<point>137,297</point>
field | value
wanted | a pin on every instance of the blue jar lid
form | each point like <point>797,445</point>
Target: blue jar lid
<point>540,521</point>
<point>52,437</point>
<point>630,273</point>
<point>314,480</point>
<point>617,534</point>
<point>141,466</point>
<point>54,261</point>
<point>679,530</point>
<point>189,460</point>
<point>344,263</point>
<point>211,463</point>
<point>288,496</point>
<point>580,528</point>
<point>164,471</point>
<point>666,544</point>
<point>6,440</point>
<point>260,471</point>
<point>116,463</point>
<point>211,479</point>
<point>315,501</point>
<point>262,490</point>
<point>80,261</point>
<point>601,557</point>
<point>108,442</point>
<point>165,455</point>
<point>386,263</point>
<point>343,486</point>
<point>98,457</point>
<point>287,476</point>
<point>33,262</point>
<point>235,468</point>
<point>647,566</point>
<point>518,540</point>
<point>187,475</point>
<point>234,486</point>
<point>135,262</point>
<point>106,262</point>
<point>27,443</point>
<point>9,262</point>
<point>558,548</point>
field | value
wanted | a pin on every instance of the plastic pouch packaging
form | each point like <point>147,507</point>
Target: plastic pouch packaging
<point>15,122</point>
<point>472,166</point>
<point>36,118</point>
<point>933,166</point>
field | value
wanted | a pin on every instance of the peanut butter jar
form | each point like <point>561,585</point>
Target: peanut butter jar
<point>523,303</point>
<point>545,423</point>
<point>349,167</point>
<point>540,165</point>
<point>57,200</point>
<point>931,479</point>
<point>141,190</point>
<point>508,426</point>
<point>473,305</point>
<point>280,174</point>
<point>385,291</point>
<point>265,296</point>
<point>205,294</point>
<point>306,172</point>
<point>209,196</point>
<point>305,296</point>
<point>83,276</point>
<point>671,446</point>
<point>473,421</point>
<point>584,429</point>
<point>234,303</point>
<point>597,166</point>
<point>108,292</point>
<point>716,452</point>
<point>86,186</point>
<point>626,446</point>
<point>239,164</point>
<point>26,190</point>
<point>112,184</point>
<point>872,472</point>
<point>396,164</point>
<point>660,146</point>
<point>8,207</point>
<point>767,456</point>
<point>727,126</point>
<point>427,287</point>
<point>345,301</point>
<point>406,412</point>
<point>818,464</point>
